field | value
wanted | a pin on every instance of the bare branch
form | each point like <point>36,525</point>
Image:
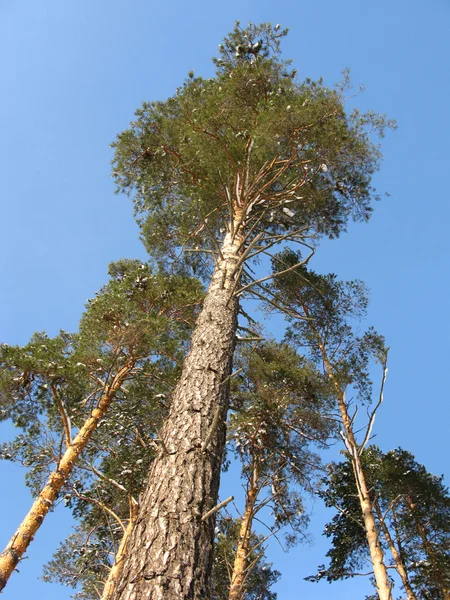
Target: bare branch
<point>232,375</point>
<point>202,250</point>
<point>374,412</point>
<point>279,307</point>
<point>113,482</point>
<point>64,416</point>
<point>273,275</point>
<point>208,229</point>
<point>214,424</point>
<point>99,504</point>
<point>246,252</point>
<point>282,237</point>
<point>211,512</point>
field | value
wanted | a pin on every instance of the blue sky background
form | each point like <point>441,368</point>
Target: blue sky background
<point>73,73</point>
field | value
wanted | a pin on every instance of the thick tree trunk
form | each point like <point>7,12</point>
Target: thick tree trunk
<point>243,548</point>
<point>399,564</point>
<point>169,555</point>
<point>27,529</point>
<point>376,552</point>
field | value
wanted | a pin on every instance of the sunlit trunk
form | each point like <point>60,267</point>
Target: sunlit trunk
<point>26,531</point>
<point>241,560</point>
<point>376,552</point>
<point>116,569</point>
<point>399,564</point>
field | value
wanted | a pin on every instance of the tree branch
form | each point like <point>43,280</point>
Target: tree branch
<point>64,416</point>
<point>374,412</point>
<point>273,275</point>
<point>213,511</point>
<point>100,505</point>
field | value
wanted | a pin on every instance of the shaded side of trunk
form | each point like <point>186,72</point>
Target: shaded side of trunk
<point>427,546</point>
<point>119,559</point>
<point>26,531</point>
<point>240,566</point>
<point>376,552</point>
<point>399,564</point>
<point>170,552</point>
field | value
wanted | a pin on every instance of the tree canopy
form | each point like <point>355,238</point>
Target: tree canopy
<point>252,140</point>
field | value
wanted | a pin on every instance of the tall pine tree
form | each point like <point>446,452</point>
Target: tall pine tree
<point>220,172</point>
<point>412,509</point>
<point>277,417</point>
<point>329,310</point>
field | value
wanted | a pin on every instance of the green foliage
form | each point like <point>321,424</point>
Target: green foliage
<point>415,506</point>
<point>422,517</point>
<point>140,318</point>
<point>30,376</point>
<point>251,139</point>
<point>278,403</point>
<point>261,577</point>
<point>140,310</point>
<point>148,317</point>
<point>326,316</point>
<point>82,560</point>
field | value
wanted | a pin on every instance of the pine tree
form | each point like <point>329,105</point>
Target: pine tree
<point>104,491</point>
<point>327,311</point>
<point>277,415</point>
<point>137,325</point>
<point>412,510</point>
<point>222,171</point>
<point>259,579</point>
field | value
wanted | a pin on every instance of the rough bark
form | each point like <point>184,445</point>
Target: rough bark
<point>399,564</point>
<point>26,531</point>
<point>240,566</point>
<point>169,555</point>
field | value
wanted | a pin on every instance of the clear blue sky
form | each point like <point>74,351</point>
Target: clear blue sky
<point>72,75</point>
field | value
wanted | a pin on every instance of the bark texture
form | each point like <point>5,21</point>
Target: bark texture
<point>169,555</point>
<point>26,531</point>
<point>240,566</point>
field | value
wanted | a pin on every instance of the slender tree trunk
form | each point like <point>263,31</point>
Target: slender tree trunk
<point>26,531</point>
<point>116,569</point>
<point>376,552</point>
<point>428,547</point>
<point>243,548</point>
<point>169,556</point>
<point>399,564</point>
